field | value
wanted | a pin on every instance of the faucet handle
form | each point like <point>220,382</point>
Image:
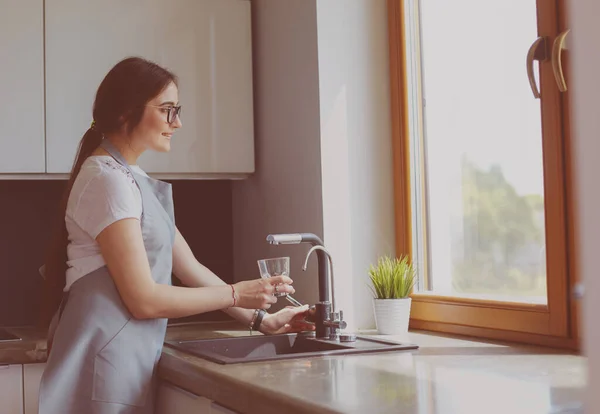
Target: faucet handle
<point>336,321</point>
<point>336,316</point>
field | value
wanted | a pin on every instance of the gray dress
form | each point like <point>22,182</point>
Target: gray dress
<point>103,360</point>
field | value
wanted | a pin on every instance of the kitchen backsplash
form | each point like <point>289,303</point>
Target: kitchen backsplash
<point>203,214</point>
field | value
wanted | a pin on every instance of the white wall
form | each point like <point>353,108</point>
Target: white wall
<point>284,195</point>
<point>583,41</point>
<point>356,160</point>
<point>323,142</point>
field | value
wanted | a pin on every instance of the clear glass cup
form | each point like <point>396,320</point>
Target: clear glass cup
<point>277,266</point>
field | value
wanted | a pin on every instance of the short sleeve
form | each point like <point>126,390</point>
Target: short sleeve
<point>108,197</point>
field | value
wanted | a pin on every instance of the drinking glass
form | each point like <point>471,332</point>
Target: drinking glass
<point>277,266</point>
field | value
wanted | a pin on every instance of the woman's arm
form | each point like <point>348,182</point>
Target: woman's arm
<point>123,250</point>
<point>192,273</point>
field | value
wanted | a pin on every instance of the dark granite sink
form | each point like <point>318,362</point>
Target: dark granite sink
<point>6,336</point>
<point>276,347</point>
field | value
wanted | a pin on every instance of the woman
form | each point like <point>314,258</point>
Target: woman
<point>114,256</point>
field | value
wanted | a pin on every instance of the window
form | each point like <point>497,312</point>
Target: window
<point>480,167</point>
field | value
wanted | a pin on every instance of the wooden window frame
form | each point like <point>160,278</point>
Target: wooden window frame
<point>552,325</point>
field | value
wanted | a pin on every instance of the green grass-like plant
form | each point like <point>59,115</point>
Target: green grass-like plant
<point>392,278</point>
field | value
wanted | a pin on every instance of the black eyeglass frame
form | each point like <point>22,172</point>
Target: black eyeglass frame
<point>174,111</point>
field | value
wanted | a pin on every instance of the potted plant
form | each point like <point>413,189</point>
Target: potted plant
<point>392,281</point>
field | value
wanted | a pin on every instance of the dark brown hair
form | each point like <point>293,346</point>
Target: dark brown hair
<point>120,102</point>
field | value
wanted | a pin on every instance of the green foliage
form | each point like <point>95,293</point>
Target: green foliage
<point>392,278</point>
<point>499,226</point>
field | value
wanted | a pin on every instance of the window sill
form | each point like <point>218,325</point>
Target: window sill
<point>480,301</point>
<point>431,335</point>
<point>479,333</point>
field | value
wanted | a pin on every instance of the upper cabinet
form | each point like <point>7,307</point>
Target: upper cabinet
<point>206,43</point>
<point>22,86</point>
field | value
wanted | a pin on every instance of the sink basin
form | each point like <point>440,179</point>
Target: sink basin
<point>6,336</point>
<point>277,347</point>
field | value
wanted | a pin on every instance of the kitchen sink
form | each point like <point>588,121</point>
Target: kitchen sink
<point>277,347</point>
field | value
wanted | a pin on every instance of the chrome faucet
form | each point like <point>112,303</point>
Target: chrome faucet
<point>334,320</point>
<point>330,267</point>
<point>327,322</point>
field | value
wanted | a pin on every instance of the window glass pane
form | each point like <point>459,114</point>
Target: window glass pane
<point>478,196</point>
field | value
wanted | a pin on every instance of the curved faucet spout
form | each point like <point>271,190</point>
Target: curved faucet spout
<point>323,308</point>
<point>324,250</point>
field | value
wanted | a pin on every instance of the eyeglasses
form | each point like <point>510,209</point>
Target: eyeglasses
<point>171,111</point>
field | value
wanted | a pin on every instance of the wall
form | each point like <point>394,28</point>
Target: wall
<point>323,143</point>
<point>586,149</point>
<point>356,150</point>
<point>284,195</point>
<point>203,211</point>
<point>27,209</point>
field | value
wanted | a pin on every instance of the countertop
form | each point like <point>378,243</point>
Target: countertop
<point>446,375</point>
<point>30,349</point>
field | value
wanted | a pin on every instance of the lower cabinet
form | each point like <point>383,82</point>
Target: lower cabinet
<point>174,400</point>
<point>32,374</point>
<point>20,385</point>
<point>11,389</point>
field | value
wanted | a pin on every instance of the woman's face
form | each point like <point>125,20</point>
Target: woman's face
<point>154,131</point>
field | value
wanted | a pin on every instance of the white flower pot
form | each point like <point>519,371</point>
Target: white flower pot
<point>392,315</point>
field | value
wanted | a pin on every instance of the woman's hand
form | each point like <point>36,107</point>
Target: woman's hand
<point>288,319</point>
<point>258,293</point>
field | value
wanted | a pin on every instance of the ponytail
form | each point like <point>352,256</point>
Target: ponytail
<point>55,267</point>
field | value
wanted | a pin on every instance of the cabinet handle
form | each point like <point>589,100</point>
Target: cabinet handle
<point>537,51</point>
<point>557,48</point>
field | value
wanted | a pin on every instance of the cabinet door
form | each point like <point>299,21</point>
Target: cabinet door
<point>206,43</point>
<point>11,389</point>
<point>32,374</point>
<point>172,399</point>
<point>22,87</point>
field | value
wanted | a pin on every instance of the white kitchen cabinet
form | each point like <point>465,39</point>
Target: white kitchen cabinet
<point>11,389</point>
<point>22,87</point>
<point>206,43</point>
<point>172,399</point>
<point>32,375</point>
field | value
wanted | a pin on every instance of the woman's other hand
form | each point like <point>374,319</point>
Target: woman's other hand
<point>259,293</point>
<point>288,319</point>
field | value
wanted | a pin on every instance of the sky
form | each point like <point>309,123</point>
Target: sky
<point>477,96</point>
